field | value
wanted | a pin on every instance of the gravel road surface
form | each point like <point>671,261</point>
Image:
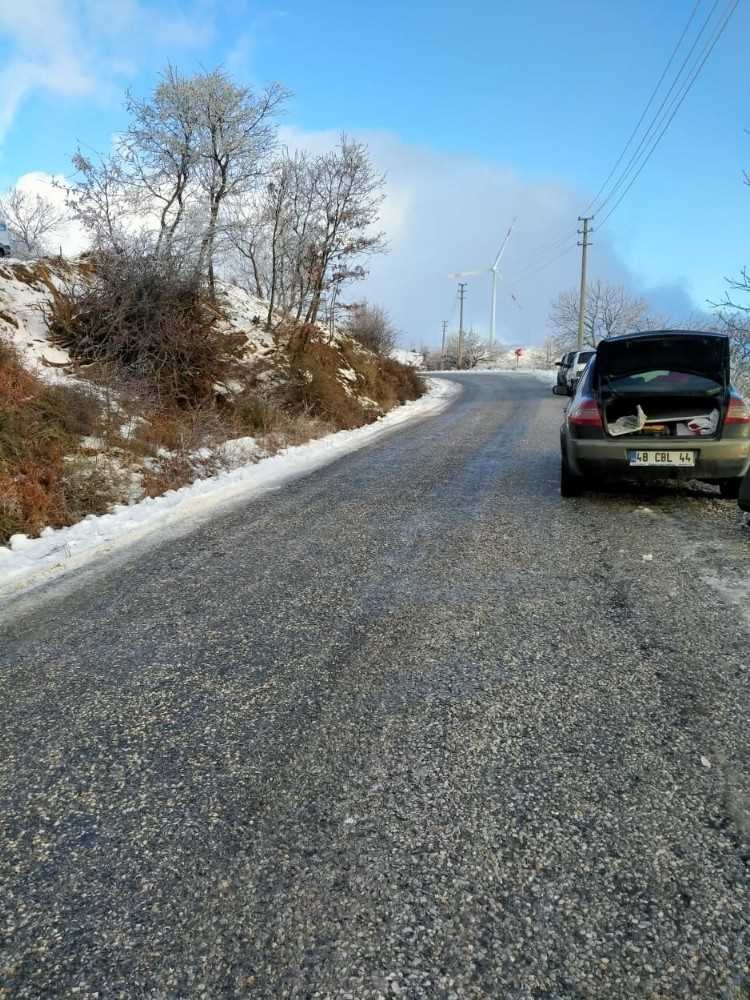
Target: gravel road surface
<point>411,726</point>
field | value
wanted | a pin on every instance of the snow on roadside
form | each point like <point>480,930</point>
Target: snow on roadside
<point>546,375</point>
<point>31,561</point>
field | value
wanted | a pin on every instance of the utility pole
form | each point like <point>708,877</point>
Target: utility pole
<point>584,244</point>
<point>442,347</point>
<point>461,293</point>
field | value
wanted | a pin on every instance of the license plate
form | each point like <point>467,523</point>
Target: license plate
<point>668,458</point>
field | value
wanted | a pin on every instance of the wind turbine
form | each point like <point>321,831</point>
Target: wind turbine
<point>493,271</point>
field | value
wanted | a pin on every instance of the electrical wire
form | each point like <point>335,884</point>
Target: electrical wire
<point>661,114</point>
<point>706,52</point>
<point>534,267</point>
<point>546,248</point>
<point>650,101</point>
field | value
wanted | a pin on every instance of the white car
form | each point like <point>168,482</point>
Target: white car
<point>577,368</point>
<point>5,246</point>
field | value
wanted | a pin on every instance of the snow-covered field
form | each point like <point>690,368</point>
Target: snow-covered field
<point>29,562</point>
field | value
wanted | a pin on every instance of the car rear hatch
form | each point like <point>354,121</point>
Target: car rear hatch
<point>664,384</point>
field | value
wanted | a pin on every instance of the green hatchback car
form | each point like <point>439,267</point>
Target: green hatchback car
<point>657,405</point>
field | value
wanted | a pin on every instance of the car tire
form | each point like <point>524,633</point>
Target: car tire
<point>730,488</point>
<point>570,485</point>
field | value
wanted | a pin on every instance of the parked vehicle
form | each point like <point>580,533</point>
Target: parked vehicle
<point>563,367</point>
<point>577,367</point>
<point>657,405</point>
<point>6,250</point>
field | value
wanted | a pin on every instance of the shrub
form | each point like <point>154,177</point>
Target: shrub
<point>89,486</point>
<point>152,318</point>
<point>171,472</point>
<point>371,326</point>
<point>318,388</point>
<point>252,414</point>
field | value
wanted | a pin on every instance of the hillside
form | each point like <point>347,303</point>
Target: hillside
<point>77,437</point>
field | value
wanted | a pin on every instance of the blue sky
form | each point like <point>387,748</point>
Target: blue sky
<point>530,102</point>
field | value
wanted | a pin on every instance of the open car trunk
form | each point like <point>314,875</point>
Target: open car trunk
<point>664,384</point>
<point>663,416</point>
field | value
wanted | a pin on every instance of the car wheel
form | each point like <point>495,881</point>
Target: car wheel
<point>570,485</point>
<point>730,488</point>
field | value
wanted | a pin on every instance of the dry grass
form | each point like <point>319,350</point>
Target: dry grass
<point>44,479</point>
<point>172,472</point>
<point>319,388</point>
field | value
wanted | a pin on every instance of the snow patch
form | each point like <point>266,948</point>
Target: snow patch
<point>413,359</point>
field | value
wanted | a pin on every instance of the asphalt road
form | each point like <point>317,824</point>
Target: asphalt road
<point>411,726</point>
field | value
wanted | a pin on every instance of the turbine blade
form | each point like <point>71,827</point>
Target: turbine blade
<point>503,245</point>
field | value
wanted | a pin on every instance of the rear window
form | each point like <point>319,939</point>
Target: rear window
<point>663,381</point>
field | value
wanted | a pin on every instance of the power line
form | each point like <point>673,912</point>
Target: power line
<point>707,50</point>
<point>657,119</point>
<point>534,267</point>
<point>645,110</point>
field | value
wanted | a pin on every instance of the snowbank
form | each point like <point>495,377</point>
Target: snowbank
<point>29,562</point>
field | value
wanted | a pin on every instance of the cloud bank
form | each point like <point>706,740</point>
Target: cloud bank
<point>446,212</point>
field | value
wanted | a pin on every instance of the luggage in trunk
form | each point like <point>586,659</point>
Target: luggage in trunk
<point>662,416</point>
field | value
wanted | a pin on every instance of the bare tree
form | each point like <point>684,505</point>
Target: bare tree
<point>160,148</point>
<point>303,233</point>
<point>473,351</point>
<point>197,144</point>
<point>734,320</point>
<point>237,138</point>
<point>348,194</point>
<point>99,199</point>
<point>610,310</point>
<point>31,219</point>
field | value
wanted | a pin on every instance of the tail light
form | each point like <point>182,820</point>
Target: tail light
<point>586,413</point>
<point>737,411</point>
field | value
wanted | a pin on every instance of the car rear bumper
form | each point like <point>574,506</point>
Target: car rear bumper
<point>608,459</point>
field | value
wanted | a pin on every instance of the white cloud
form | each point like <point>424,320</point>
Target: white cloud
<point>86,48</point>
<point>70,236</point>
<point>45,55</point>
